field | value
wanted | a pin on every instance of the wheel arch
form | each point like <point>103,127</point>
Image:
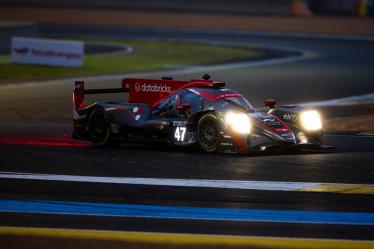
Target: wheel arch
<point>216,146</point>
<point>108,137</point>
<point>196,118</point>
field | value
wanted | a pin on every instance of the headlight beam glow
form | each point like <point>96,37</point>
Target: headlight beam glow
<point>310,120</point>
<point>239,122</point>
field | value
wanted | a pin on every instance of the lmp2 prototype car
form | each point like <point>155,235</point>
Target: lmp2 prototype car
<point>199,113</point>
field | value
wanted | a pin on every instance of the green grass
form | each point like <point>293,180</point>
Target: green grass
<point>147,56</point>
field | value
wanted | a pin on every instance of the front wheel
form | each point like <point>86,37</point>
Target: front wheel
<point>208,133</point>
<point>99,129</point>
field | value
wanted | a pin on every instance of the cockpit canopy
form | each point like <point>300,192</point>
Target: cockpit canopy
<point>201,99</point>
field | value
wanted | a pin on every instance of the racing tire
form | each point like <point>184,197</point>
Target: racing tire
<point>209,133</point>
<point>99,129</point>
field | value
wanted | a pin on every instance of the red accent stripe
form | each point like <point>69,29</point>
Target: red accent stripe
<point>238,140</point>
<point>20,139</point>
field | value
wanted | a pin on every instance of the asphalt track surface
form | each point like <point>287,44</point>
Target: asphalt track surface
<point>35,139</point>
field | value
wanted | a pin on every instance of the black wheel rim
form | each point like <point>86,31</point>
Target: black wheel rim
<point>208,134</point>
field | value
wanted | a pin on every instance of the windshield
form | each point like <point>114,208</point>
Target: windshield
<point>232,103</point>
<point>223,99</point>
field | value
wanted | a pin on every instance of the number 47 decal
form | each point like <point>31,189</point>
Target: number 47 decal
<point>180,134</point>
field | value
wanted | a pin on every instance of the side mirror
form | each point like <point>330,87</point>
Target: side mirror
<point>183,107</point>
<point>270,103</point>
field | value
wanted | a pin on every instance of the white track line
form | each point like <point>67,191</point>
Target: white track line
<point>226,184</point>
<point>202,183</point>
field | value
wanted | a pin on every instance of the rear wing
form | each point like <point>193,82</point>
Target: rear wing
<point>146,91</point>
<point>79,93</point>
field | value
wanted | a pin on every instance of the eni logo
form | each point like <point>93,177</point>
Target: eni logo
<point>289,117</point>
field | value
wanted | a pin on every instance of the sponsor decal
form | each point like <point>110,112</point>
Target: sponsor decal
<point>215,97</point>
<point>53,53</point>
<point>21,51</point>
<point>179,123</point>
<point>289,117</point>
<point>264,117</point>
<point>138,87</point>
<point>260,115</point>
<point>153,88</point>
<point>281,130</point>
<point>228,95</point>
<point>271,121</point>
<point>288,136</point>
<point>78,86</point>
<point>268,119</point>
<point>47,53</point>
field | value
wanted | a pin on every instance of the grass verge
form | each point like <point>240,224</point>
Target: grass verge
<point>147,56</point>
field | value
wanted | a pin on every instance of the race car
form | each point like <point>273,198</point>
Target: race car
<point>200,113</point>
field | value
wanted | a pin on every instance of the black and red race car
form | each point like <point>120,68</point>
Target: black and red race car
<point>199,113</point>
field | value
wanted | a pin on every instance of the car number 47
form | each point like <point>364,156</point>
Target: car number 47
<point>180,134</point>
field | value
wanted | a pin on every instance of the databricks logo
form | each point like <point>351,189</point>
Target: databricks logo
<point>152,88</point>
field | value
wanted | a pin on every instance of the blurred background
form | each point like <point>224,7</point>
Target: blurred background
<point>333,38</point>
<point>316,53</point>
<point>324,16</point>
<point>249,7</point>
<point>122,37</point>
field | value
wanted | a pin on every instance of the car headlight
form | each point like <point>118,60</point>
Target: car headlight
<point>310,120</point>
<point>238,122</point>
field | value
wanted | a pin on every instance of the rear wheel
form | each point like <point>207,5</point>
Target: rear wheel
<point>99,129</point>
<point>208,133</point>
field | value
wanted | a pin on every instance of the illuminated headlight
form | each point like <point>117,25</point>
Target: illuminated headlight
<point>310,121</point>
<point>239,122</point>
